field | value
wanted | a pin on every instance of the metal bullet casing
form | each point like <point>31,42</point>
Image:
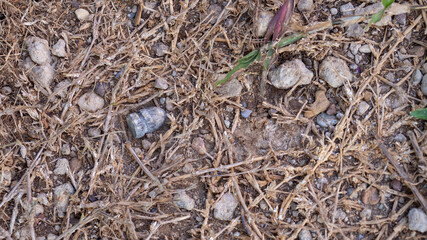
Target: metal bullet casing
<point>146,120</point>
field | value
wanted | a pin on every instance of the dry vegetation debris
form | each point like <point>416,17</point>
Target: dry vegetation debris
<point>319,160</point>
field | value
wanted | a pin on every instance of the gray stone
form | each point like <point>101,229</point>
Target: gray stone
<point>94,132</point>
<point>91,102</point>
<point>290,73</point>
<point>325,120</point>
<point>354,48</point>
<point>101,88</point>
<point>334,71</point>
<point>304,235</point>
<point>5,177</point>
<point>39,50</point>
<point>365,49</point>
<point>401,19</point>
<point>305,5</point>
<point>66,150</point>
<point>355,30</point>
<point>160,49</point>
<point>362,108</point>
<point>417,76</point>
<point>263,20</point>
<point>42,76</point>
<point>424,85</point>
<point>400,138</point>
<point>215,10</point>
<point>224,208</point>
<point>59,49</point>
<point>42,198</point>
<point>61,195</point>
<point>146,144</point>
<point>425,68</point>
<point>182,200</point>
<point>334,11</point>
<point>61,85</point>
<point>6,90</point>
<point>232,88</point>
<point>82,14</point>
<point>366,213</point>
<point>161,83</point>
<point>246,113</point>
<point>417,220</point>
<point>347,9</point>
<point>61,167</point>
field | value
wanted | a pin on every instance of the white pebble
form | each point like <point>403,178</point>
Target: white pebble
<point>82,14</point>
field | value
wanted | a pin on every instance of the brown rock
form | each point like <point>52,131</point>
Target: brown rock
<point>396,185</point>
<point>370,196</point>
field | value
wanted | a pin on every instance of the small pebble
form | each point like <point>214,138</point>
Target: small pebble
<point>417,220</point>
<point>355,30</point>
<point>366,213</point>
<point>160,49</point>
<point>61,167</point>
<point>43,75</point>
<point>59,49</point>
<point>61,196</point>
<point>62,93</point>
<point>214,10</point>
<point>354,48</point>
<point>145,144</point>
<point>332,109</point>
<point>264,19</point>
<point>334,71</point>
<point>66,150</point>
<point>401,19</point>
<point>169,105</point>
<point>424,85</point>
<point>400,138</point>
<point>370,196</point>
<point>418,51</point>
<point>82,14</point>
<point>365,49</point>
<point>334,11</point>
<point>6,90</point>
<point>101,88</point>
<point>347,9</point>
<point>39,50</point>
<point>224,208</point>
<point>198,144</point>
<point>425,68</point>
<point>396,184</point>
<point>325,120</point>
<point>5,177</point>
<point>162,100</point>
<point>304,235</point>
<point>305,5</point>
<point>75,165</point>
<point>232,88</point>
<point>146,120</point>
<point>182,200</point>
<point>417,76</point>
<point>94,132</point>
<point>290,73</point>
<point>246,113</point>
<point>91,102</point>
<point>362,108</point>
<point>161,83</point>
<point>227,123</point>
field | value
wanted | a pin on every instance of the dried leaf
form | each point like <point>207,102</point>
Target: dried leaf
<point>320,105</point>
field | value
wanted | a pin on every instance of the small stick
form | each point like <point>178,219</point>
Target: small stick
<point>144,168</point>
<point>138,15</point>
<point>417,148</point>
<point>403,174</point>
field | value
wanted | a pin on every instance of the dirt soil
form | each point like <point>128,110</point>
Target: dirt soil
<point>291,177</point>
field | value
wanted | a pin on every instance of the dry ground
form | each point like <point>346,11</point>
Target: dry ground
<point>287,173</point>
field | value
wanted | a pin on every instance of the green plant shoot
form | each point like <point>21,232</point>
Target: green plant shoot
<point>420,113</point>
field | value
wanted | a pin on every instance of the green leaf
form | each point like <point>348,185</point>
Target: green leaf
<point>420,113</point>
<point>376,18</point>
<point>243,63</point>
<point>387,3</point>
<point>290,39</point>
